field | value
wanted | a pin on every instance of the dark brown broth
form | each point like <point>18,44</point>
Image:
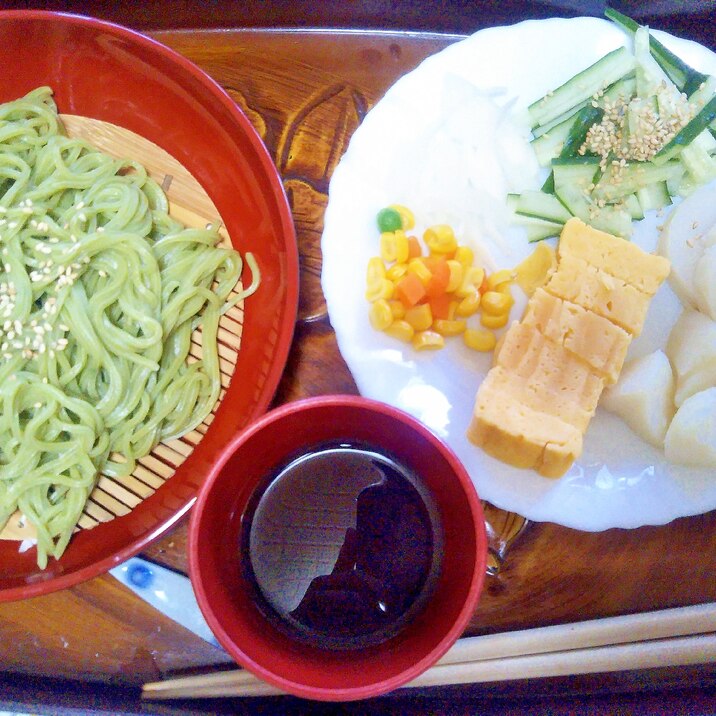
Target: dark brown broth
<point>342,546</point>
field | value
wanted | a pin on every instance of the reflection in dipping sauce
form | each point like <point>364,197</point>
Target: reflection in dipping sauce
<point>342,545</point>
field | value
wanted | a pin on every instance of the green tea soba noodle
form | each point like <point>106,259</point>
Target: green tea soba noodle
<point>100,291</point>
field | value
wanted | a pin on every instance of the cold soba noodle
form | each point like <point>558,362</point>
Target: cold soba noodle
<point>100,291</point>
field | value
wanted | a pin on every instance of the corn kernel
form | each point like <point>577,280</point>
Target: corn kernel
<point>406,216</point>
<point>401,330</point>
<point>382,288</point>
<point>394,246</point>
<point>397,309</point>
<point>499,277</point>
<point>479,340</point>
<point>494,321</point>
<point>469,304</point>
<point>456,273</point>
<point>448,328</point>
<point>465,255</point>
<point>375,270</point>
<point>380,315</point>
<point>396,272</point>
<point>534,270</point>
<point>472,278</point>
<point>418,267</point>
<point>440,239</point>
<point>496,303</point>
<point>427,340</point>
<point>419,317</point>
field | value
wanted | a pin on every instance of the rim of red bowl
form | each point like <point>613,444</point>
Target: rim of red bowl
<point>467,610</point>
<point>282,344</point>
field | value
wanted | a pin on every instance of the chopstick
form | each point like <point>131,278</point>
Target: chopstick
<point>670,637</point>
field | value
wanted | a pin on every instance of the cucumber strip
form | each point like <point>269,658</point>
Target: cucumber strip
<point>584,119</point>
<point>548,186</point>
<point>618,182</point>
<point>610,218</point>
<point>632,204</point>
<point>595,78</point>
<point>539,229</point>
<point>539,205</point>
<point>706,141</point>
<point>582,169</point>
<point>687,133</point>
<point>673,185</point>
<point>573,184</point>
<point>545,230</point>
<point>648,72</point>
<point>549,145</point>
<point>543,129</point>
<point>686,78</point>
<point>625,88</point>
<point>700,165</point>
<point>654,196</point>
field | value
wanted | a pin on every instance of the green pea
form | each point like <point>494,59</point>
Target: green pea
<point>389,220</point>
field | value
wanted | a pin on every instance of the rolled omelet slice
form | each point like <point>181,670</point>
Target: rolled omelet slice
<point>549,371</point>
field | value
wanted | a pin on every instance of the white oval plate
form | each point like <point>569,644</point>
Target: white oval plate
<point>431,144</point>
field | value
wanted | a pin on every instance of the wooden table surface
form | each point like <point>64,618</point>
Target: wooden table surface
<point>306,92</point>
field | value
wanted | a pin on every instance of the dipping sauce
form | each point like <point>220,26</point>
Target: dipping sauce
<point>342,546</point>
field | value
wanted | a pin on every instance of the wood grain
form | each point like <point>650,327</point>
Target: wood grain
<point>306,93</point>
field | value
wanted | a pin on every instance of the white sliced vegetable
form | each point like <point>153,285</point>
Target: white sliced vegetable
<point>643,397</point>
<point>691,437</point>
<point>691,348</point>
<point>689,231</point>
<point>705,282</point>
<point>701,379</point>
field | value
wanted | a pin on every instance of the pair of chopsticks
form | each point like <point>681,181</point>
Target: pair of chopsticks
<point>670,637</point>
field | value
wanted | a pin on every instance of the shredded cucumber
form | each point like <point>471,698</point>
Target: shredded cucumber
<point>620,139</point>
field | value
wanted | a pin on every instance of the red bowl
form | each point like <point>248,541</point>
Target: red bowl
<point>226,597</point>
<point>104,71</point>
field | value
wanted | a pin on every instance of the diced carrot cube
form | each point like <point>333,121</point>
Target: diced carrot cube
<point>440,271</point>
<point>440,306</point>
<point>414,247</point>
<point>410,290</point>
